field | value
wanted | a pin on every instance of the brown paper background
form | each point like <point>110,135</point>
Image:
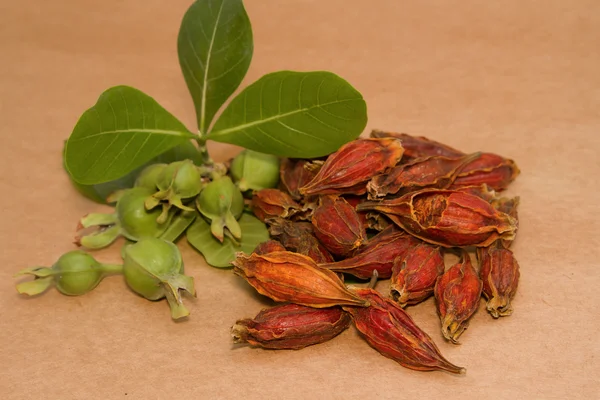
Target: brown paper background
<point>519,78</point>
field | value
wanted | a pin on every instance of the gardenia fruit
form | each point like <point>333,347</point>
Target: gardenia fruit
<point>74,273</point>
<point>223,204</point>
<point>153,268</point>
<point>252,170</point>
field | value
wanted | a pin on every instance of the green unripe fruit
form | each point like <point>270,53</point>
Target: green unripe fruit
<point>222,202</point>
<point>153,268</point>
<point>252,170</point>
<point>130,219</point>
<point>74,273</point>
<point>149,176</point>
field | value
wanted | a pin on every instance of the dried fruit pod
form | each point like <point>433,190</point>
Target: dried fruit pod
<point>457,294</point>
<point>426,172</point>
<point>494,170</point>
<point>507,206</point>
<point>295,173</point>
<point>419,146</point>
<point>347,170</point>
<point>290,277</point>
<point>291,327</point>
<point>447,218</point>
<point>482,191</point>
<point>392,332</point>
<point>271,203</point>
<point>268,247</point>
<point>499,271</point>
<point>379,254</point>
<point>415,274</point>
<point>299,237</point>
<point>338,226</point>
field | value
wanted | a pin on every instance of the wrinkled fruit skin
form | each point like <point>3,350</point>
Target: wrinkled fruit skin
<point>294,174</point>
<point>379,254</point>
<point>291,327</point>
<point>415,274</point>
<point>392,332</point>
<point>273,203</point>
<point>508,206</point>
<point>299,237</point>
<point>419,146</point>
<point>290,277</point>
<point>457,294</point>
<point>499,272</point>
<point>427,172</point>
<point>252,170</point>
<point>447,218</point>
<point>268,247</point>
<point>495,171</point>
<point>347,170</point>
<point>338,226</point>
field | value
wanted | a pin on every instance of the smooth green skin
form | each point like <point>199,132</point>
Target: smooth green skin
<point>182,178</point>
<point>137,222</point>
<point>148,263</point>
<point>149,176</point>
<point>219,197</point>
<point>293,114</point>
<point>123,131</point>
<point>78,273</point>
<point>252,170</point>
<point>215,47</point>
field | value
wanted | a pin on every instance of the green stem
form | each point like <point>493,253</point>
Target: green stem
<point>109,269</point>
<point>201,140</point>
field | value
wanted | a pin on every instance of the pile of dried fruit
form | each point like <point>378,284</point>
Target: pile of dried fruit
<point>386,206</point>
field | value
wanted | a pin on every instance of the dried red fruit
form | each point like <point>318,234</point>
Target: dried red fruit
<point>299,237</point>
<point>379,254</point>
<point>447,218</point>
<point>270,203</point>
<point>499,271</point>
<point>291,327</point>
<point>295,173</point>
<point>347,170</point>
<point>268,247</point>
<point>415,274</point>
<point>457,294</point>
<point>338,226</point>
<point>392,332</point>
<point>494,170</point>
<point>290,277</point>
<point>355,201</point>
<point>482,191</point>
<point>507,206</point>
<point>419,146</point>
<point>427,172</point>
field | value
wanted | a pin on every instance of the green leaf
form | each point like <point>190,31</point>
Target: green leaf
<point>100,192</point>
<point>220,254</point>
<point>124,130</point>
<point>215,48</point>
<point>293,114</point>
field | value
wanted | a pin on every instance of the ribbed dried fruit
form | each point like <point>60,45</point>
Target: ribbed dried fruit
<point>427,172</point>
<point>295,173</point>
<point>347,170</point>
<point>290,277</point>
<point>338,226</point>
<point>481,191</point>
<point>269,247</point>
<point>457,294</point>
<point>291,327</point>
<point>415,274</point>
<point>447,218</point>
<point>271,203</point>
<point>494,170</point>
<point>392,332</point>
<point>299,237</point>
<point>379,254</point>
<point>499,271</point>
<point>419,146</point>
